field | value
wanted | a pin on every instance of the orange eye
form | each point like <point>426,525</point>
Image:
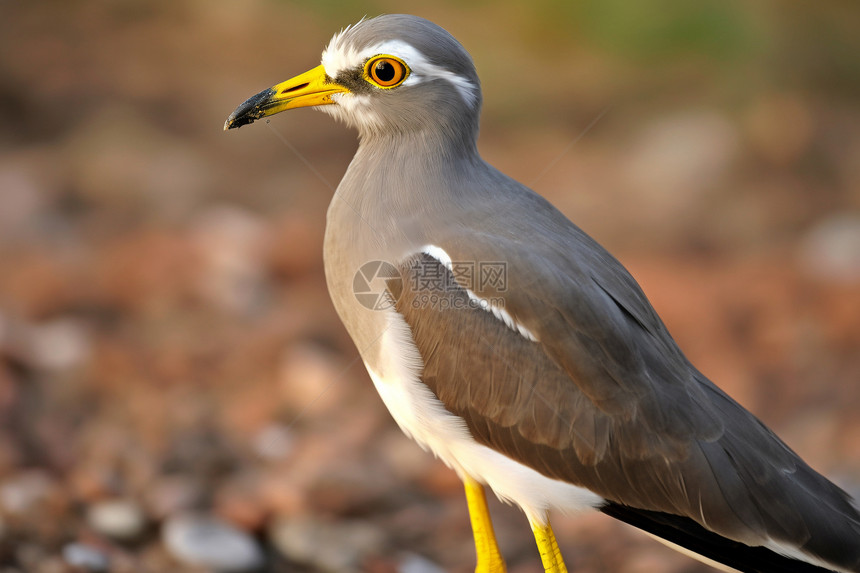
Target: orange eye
<point>386,71</point>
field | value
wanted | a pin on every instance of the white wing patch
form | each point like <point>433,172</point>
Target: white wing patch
<point>339,56</point>
<point>499,312</point>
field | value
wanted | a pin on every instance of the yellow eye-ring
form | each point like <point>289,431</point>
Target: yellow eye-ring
<point>386,71</point>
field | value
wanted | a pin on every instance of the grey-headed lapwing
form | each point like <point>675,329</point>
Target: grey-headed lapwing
<point>520,352</point>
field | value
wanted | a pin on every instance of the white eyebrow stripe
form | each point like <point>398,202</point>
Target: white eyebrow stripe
<point>337,58</point>
<point>420,67</point>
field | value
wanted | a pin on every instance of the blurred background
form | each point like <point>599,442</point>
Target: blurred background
<point>176,393</point>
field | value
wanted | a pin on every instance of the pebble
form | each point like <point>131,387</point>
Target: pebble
<point>336,547</point>
<point>412,563</point>
<point>205,541</point>
<point>21,494</point>
<point>59,344</point>
<point>170,495</point>
<point>831,249</point>
<point>118,519</point>
<point>85,557</point>
<point>274,442</point>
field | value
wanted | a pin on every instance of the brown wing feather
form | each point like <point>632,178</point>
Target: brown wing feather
<point>605,400</point>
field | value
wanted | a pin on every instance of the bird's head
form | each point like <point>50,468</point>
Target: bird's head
<point>391,74</point>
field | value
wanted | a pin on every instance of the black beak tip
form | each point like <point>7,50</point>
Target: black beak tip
<point>234,122</point>
<point>251,110</point>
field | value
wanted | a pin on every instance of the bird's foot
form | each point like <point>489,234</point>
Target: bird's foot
<point>489,557</point>
<point>550,554</point>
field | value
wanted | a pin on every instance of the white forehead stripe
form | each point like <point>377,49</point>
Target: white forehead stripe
<point>338,57</point>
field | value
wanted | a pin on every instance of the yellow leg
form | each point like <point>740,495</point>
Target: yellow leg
<point>550,555</point>
<point>489,558</point>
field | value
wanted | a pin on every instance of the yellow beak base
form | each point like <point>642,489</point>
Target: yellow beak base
<point>311,88</point>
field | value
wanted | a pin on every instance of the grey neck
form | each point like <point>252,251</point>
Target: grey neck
<point>406,177</point>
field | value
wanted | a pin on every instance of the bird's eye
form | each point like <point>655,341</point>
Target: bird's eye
<point>386,71</point>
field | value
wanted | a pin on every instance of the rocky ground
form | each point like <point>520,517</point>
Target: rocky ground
<point>176,393</point>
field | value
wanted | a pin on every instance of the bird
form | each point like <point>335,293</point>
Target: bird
<point>510,344</point>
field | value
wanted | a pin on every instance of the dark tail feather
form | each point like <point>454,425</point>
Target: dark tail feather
<point>686,533</point>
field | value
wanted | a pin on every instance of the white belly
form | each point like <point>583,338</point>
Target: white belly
<point>424,418</point>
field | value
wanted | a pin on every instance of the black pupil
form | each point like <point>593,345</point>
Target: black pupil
<point>385,71</point>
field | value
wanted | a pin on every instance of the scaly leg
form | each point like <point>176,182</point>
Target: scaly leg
<point>489,558</point>
<point>550,555</point>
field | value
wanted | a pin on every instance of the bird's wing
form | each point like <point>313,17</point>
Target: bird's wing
<point>601,396</point>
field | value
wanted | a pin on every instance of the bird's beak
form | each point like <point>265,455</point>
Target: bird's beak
<point>311,88</point>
